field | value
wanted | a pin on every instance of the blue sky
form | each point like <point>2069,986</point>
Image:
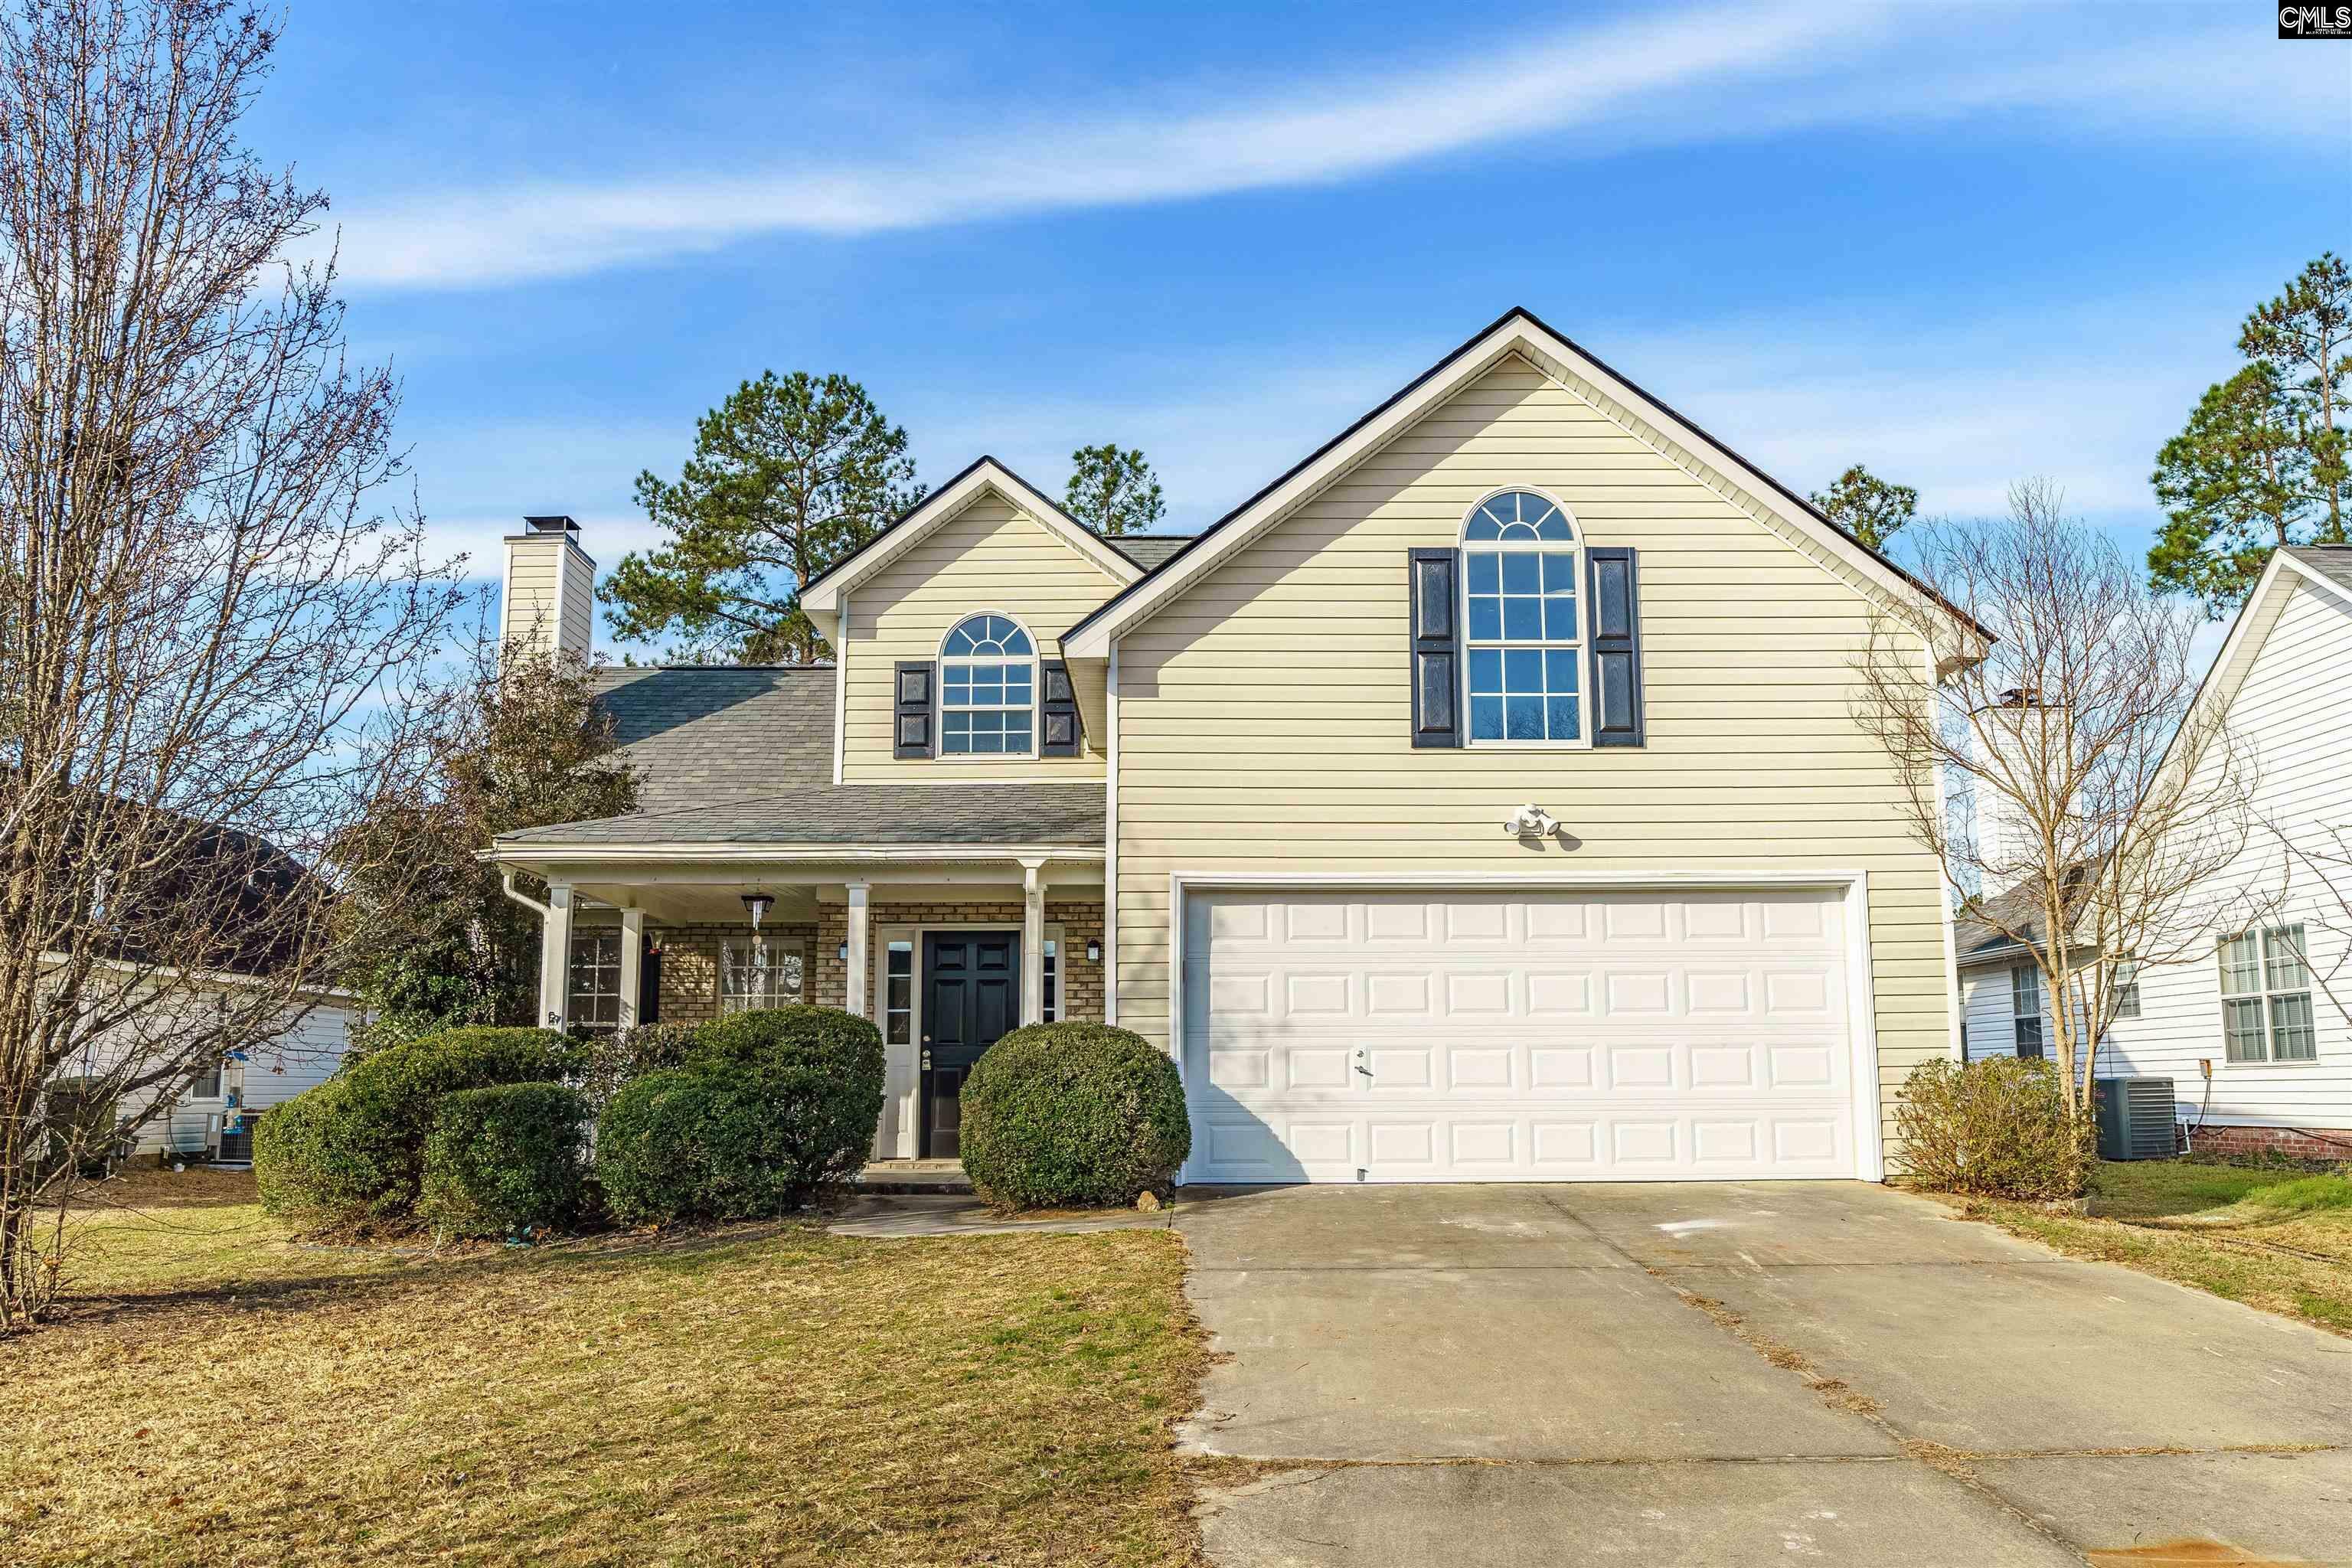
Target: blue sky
<point>1961,242</point>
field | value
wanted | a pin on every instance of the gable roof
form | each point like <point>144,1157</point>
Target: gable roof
<point>1516,331</point>
<point>823,593</point>
<point>2325,567</point>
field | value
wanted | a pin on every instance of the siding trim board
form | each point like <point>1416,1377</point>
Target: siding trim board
<point>1852,885</point>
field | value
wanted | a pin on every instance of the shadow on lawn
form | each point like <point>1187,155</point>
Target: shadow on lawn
<point>391,1272</point>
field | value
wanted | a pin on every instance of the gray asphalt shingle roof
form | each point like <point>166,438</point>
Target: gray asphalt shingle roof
<point>2330,561</point>
<point>729,755</point>
<point>888,814</point>
<point>699,733</point>
<point>1149,551</point>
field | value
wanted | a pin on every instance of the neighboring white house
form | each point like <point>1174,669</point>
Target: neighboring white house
<point>214,1118</point>
<point>2265,1007</point>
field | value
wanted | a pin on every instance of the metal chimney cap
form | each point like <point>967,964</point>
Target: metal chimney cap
<point>554,523</point>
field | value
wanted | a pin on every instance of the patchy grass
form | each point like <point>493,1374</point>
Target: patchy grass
<point>2268,1238</point>
<point>225,1394</point>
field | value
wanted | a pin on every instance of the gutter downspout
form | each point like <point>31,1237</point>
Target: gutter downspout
<point>506,885</point>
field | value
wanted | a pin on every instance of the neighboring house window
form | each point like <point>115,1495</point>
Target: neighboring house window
<point>2025,1004</point>
<point>207,1085</point>
<point>988,690</point>
<point>2266,997</point>
<point>1525,645</point>
<point>2127,990</point>
<point>759,975</point>
<point>595,1000</point>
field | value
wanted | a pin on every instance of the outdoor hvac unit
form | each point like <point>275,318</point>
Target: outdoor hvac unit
<point>2134,1118</point>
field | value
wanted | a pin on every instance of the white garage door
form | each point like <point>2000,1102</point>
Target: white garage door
<point>1444,1036</point>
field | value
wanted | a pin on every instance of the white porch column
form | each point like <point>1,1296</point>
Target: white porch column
<point>1033,943</point>
<point>555,957</point>
<point>632,947</point>
<point>860,962</point>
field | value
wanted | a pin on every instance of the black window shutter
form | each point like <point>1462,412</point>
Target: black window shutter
<point>1436,648</point>
<point>1059,730</point>
<point>1616,611</point>
<point>916,705</point>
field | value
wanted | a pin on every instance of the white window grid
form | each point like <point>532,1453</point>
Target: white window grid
<point>1524,624</point>
<point>987,689</point>
<point>2266,1015</point>
<point>754,974</point>
<point>2025,1007</point>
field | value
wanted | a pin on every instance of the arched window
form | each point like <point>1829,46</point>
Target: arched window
<point>1525,638</point>
<point>987,689</point>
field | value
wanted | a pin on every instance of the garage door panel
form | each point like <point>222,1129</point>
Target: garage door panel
<point>1413,1036</point>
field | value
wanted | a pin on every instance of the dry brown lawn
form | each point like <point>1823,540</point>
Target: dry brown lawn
<point>2277,1239</point>
<point>224,1395</point>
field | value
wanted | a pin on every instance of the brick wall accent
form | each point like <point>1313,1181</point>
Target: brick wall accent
<point>2289,1142</point>
<point>689,969</point>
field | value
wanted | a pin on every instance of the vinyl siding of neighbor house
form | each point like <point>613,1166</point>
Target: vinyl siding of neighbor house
<point>1264,712</point>
<point>2293,713</point>
<point>989,556</point>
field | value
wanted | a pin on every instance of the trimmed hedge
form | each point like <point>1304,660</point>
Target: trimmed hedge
<point>1073,1115</point>
<point>505,1159</point>
<point>611,1059</point>
<point>770,1107</point>
<point>1995,1128</point>
<point>352,1150</point>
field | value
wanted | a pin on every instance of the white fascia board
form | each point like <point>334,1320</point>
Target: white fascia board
<point>982,477</point>
<point>1551,353</point>
<point>2247,634</point>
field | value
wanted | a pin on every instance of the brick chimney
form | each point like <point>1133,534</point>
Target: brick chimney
<point>550,596</point>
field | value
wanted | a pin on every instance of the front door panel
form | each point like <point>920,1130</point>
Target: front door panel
<point>971,997</point>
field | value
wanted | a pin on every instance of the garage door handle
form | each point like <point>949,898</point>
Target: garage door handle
<point>1361,1066</point>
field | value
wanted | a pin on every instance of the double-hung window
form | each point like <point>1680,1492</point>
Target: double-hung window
<point>596,999</point>
<point>2266,997</point>
<point>988,690</point>
<point>761,973</point>
<point>2127,990</point>
<point>1525,647</point>
<point>2025,1007</point>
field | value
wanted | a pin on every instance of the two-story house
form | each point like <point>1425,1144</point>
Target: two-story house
<point>1479,800</point>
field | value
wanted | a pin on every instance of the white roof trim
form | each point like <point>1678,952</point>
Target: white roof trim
<point>1518,333</point>
<point>982,477</point>
<point>2252,630</point>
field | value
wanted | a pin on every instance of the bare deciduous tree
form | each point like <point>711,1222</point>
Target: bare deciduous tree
<point>207,627</point>
<point>2083,804</point>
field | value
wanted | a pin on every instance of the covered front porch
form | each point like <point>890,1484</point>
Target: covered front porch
<point>943,949</point>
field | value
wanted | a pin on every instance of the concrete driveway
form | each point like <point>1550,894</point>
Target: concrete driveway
<point>1709,1374</point>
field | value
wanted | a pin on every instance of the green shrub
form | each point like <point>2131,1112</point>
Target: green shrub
<point>611,1057</point>
<point>355,1155</point>
<point>1077,1115</point>
<point>1995,1128</point>
<point>506,1158</point>
<point>770,1107</point>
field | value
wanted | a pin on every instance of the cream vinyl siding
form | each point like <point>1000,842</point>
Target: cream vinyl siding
<point>529,610</point>
<point>2294,711</point>
<point>1264,713</point>
<point>989,556</point>
<point>579,628</point>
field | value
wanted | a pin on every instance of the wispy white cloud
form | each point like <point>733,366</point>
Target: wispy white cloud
<point>1679,76</point>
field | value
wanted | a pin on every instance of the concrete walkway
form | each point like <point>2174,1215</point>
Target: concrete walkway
<point>1706,1374</point>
